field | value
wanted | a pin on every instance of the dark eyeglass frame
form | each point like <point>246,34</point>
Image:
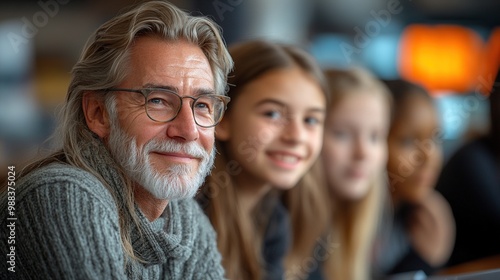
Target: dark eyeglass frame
<point>146,91</point>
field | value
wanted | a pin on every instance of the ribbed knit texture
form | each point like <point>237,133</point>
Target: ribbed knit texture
<point>67,228</point>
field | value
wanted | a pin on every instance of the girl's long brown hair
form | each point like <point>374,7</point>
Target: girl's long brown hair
<point>240,239</point>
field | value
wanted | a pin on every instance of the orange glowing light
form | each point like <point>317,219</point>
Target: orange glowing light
<point>491,63</point>
<point>441,57</point>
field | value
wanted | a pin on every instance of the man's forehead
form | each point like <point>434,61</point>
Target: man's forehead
<point>167,63</point>
<point>175,51</point>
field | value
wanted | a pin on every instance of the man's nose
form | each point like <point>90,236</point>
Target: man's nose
<point>183,127</point>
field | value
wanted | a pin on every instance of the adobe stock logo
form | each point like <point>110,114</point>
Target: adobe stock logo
<point>372,29</point>
<point>222,7</point>
<point>39,19</point>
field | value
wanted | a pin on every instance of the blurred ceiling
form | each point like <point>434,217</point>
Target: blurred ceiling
<point>81,17</point>
<point>481,10</point>
<point>341,14</point>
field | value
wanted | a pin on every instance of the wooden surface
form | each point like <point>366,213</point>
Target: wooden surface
<point>473,266</point>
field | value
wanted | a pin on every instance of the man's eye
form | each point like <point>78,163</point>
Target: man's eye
<point>161,103</point>
<point>202,106</point>
<point>156,101</point>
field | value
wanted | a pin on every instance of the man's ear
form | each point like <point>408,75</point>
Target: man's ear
<point>222,130</point>
<point>95,113</point>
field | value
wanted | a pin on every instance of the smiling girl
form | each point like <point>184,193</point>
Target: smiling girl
<point>269,138</point>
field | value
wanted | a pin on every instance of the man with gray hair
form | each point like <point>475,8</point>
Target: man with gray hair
<point>137,130</point>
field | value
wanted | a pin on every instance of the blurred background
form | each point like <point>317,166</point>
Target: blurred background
<point>451,47</point>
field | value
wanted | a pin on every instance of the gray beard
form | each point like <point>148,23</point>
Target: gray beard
<point>176,182</point>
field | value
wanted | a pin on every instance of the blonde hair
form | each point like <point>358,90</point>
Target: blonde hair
<point>355,223</point>
<point>239,239</point>
<point>103,64</point>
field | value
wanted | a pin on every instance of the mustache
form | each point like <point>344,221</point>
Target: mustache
<point>192,149</point>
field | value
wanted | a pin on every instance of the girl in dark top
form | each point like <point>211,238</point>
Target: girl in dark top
<point>470,181</point>
<point>269,138</point>
<point>423,233</point>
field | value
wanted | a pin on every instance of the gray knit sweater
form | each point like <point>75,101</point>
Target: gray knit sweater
<point>67,227</point>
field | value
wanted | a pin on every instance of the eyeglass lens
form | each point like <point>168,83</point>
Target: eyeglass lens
<point>164,106</point>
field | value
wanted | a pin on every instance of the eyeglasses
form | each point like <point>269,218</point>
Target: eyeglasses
<point>163,105</point>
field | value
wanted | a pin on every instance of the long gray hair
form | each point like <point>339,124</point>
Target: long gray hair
<point>103,64</point>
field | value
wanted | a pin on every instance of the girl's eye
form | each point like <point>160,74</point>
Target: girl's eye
<point>374,137</point>
<point>312,121</point>
<point>275,115</point>
<point>407,142</point>
<point>340,134</point>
